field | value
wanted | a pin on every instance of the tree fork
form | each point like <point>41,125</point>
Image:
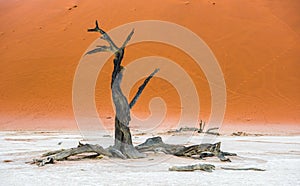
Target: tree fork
<point>123,140</point>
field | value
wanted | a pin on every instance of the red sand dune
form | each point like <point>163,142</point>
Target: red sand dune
<point>257,44</point>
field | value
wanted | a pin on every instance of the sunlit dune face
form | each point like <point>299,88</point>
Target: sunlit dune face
<point>256,43</point>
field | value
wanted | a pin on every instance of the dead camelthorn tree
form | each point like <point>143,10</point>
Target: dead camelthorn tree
<point>123,141</point>
<point>123,146</point>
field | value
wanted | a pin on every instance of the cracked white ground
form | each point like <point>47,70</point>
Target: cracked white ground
<point>279,155</point>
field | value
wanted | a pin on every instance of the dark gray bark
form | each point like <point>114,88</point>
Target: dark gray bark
<point>123,141</point>
<point>63,154</point>
<point>141,88</point>
<point>195,151</point>
<point>124,150</point>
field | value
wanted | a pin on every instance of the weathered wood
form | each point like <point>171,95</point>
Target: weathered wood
<point>78,150</point>
<point>203,167</point>
<point>208,131</point>
<point>104,36</point>
<point>52,152</point>
<point>124,150</point>
<point>141,88</point>
<point>243,169</point>
<point>121,104</point>
<point>200,151</point>
<point>156,144</point>
<point>123,141</point>
<point>65,153</point>
<point>201,126</point>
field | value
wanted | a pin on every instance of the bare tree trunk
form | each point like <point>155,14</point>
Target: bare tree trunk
<point>123,140</point>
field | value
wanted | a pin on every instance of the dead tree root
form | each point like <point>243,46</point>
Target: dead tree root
<point>154,144</point>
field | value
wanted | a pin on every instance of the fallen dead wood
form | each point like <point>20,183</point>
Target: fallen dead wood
<point>242,169</point>
<point>186,129</point>
<point>200,151</point>
<point>154,144</point>
<point>203,167</point>
<point>63,154</point>
<point>244,134</point>
<point>209,168</point>
<point>208,131</point>
<point>79,150</point>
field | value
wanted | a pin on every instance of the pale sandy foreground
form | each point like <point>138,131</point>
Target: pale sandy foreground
<point>279,155</point>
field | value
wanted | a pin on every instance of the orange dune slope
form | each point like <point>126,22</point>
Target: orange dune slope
<point>257,45</point>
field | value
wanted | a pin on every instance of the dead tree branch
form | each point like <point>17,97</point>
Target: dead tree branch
<point>105,37</point>
<point>141,88</point>
<point>208,131</point>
